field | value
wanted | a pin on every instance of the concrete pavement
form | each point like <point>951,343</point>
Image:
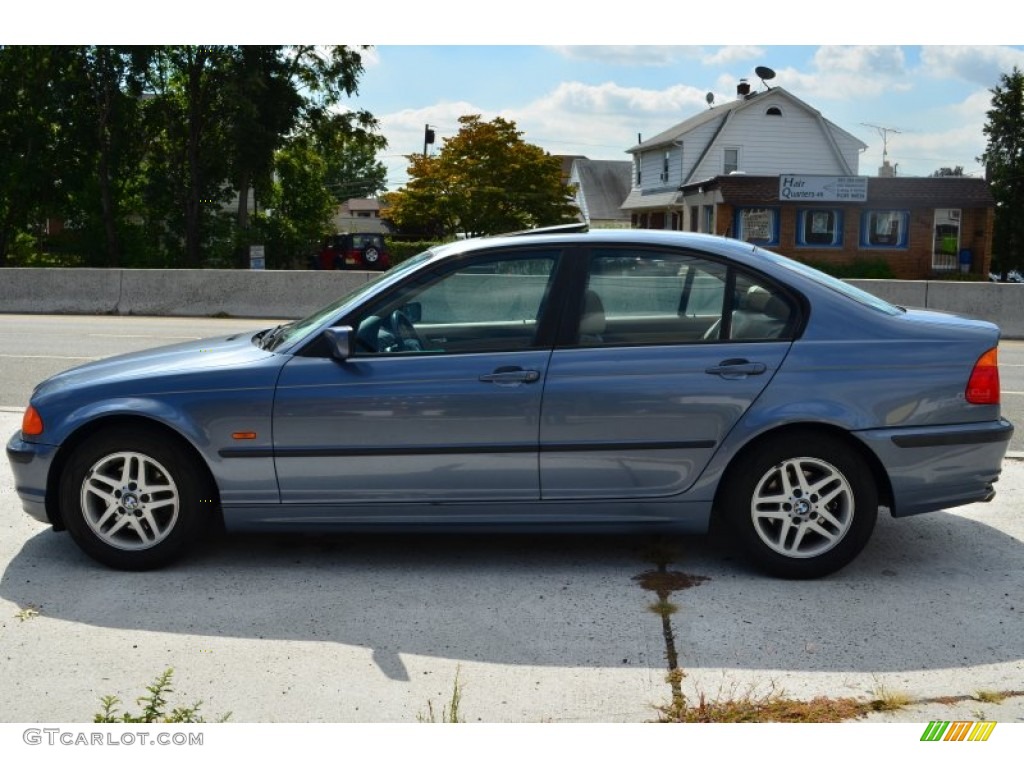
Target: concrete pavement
<point>376,628</point>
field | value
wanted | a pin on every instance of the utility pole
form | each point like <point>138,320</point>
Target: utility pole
<point>428,137</point>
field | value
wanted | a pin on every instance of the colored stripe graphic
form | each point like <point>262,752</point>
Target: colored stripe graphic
<point>958,730</point>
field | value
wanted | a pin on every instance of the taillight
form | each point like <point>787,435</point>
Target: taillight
<point>31,422</point>
<point>983,386</point>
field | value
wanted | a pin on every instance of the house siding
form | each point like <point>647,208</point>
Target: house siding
<point>790,143</point>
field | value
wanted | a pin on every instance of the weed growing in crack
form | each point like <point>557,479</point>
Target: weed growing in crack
<point>770,707</point>
<point>990,697</point>
<point>887,700</point>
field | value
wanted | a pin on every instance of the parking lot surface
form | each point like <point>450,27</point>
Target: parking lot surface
<point>375,628</point>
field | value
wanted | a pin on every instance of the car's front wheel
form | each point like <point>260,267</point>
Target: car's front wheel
<point>134,499</point>
<point>803,505</point>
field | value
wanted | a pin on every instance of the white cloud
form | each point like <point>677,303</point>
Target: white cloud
<point>863,60</point>
<point>980,64</point>
<point>660,55</point>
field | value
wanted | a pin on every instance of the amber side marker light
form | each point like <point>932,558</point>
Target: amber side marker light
<point>243,435</point>
<point>31,422</point>
<point>983,386</point>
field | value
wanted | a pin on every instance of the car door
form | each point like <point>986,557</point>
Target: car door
<point>439,401</point>
<point>661,356</point>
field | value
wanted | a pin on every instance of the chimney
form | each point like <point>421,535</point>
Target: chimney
<point>742,89</point>
<point>886,171</point>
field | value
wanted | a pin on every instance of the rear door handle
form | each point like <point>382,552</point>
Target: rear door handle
<point>510,376</point>
<point>737,369</point>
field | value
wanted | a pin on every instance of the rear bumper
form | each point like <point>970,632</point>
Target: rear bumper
<point>30,464</point>
<point>932,468</point>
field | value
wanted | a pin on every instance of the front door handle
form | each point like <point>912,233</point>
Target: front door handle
<point>510,376</point>
<point>737,369</point>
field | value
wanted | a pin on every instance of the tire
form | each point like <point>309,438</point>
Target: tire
<point>802,505</point>
<point>370,256</point>
<point>133,498</point>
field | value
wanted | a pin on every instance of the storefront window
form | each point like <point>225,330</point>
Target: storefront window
<point>884,229</point>
<point>820,227</point>
<point>758,225</point>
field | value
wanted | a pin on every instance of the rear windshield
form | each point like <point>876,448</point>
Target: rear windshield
<point>850,291</point>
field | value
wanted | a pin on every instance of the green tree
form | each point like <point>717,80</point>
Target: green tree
<point>1004,169</point>
<point>278,92</point>
<point>300,204</point>
<point>485,180</point>
<point>353,169</point>
<point>105,89</point>
<point>947,171</point>
<point>34,148</point>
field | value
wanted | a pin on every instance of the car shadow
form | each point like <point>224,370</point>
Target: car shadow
<point>931,592</point>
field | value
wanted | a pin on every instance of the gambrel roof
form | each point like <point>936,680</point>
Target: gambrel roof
<point>715,120</point>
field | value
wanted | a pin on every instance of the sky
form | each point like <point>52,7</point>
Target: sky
<point>583,79</point>
<point>924,105</point>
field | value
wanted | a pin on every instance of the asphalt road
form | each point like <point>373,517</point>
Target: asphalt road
<point>376,628</point>
<point>33,347</point>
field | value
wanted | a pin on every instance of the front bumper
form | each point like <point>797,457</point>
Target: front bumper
<point>30,464</point>
<point>933,468</point>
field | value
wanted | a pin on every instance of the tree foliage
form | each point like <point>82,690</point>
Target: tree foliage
<point>1004,169</point>
<point>154,155</point>
<point>485,180</point>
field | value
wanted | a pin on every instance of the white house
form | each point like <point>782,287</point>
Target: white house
<point>770,132</point>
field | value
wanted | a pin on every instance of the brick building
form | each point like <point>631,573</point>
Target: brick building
<point>921,227</point>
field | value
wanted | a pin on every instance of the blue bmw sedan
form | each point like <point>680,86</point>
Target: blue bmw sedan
<point>595,380</point>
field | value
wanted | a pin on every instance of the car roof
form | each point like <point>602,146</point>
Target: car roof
<point>735,249</point>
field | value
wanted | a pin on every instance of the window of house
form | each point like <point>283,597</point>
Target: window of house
<point>664,166</point>
<point>820,227</point>
<point>731,160</point>
<point>758,225</point>
<point>709,219</point>
<point>773,112</point>
<point>694,218</point>
<point>884,229</point>
<point>639,167</point>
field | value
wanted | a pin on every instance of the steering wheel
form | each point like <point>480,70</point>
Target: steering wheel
<point>402,329</point>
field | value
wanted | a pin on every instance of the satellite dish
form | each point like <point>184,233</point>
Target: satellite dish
<point>765,73</point>
<point>710,98</point>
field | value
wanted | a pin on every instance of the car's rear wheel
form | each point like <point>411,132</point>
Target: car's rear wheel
<point>134,499</point>
<point>803,505</point>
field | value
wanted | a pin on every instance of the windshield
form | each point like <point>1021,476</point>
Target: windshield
<point>298,330</point>
<point>850,291</point>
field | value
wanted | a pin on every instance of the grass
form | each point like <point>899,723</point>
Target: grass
<point>887,700</point>
<point>771,707</point>
<point>990,697</point>
<point>154,706</point>
<point>451,712</point>
<point>26,613</point>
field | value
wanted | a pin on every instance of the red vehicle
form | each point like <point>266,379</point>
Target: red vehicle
<point>353,250</point>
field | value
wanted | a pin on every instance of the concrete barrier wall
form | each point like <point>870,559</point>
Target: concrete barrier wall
<point>296,293</point>
<point>1000,303</point>
<point>182,292</point>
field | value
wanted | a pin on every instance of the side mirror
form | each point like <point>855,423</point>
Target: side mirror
<point>339,340</point>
